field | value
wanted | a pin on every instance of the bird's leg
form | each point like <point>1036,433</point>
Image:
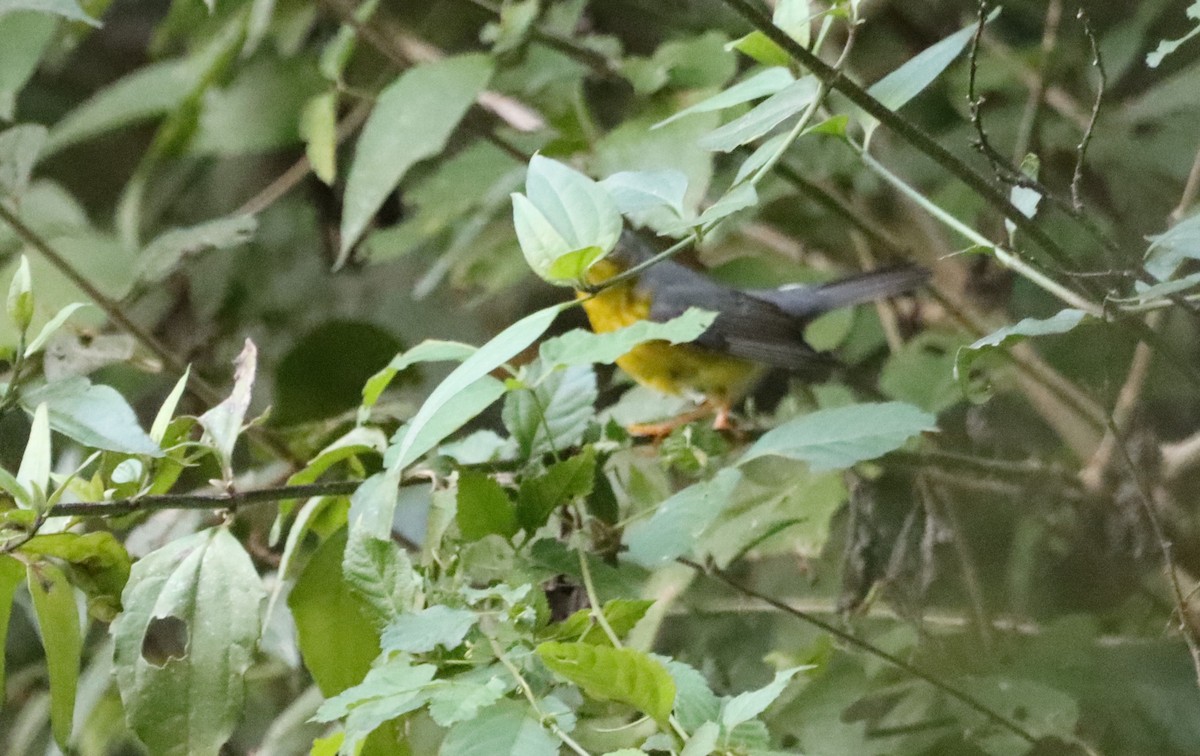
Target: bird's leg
<point>664,428</point>
<point>723,421</point>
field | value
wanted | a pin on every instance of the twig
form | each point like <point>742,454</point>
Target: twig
<point>232,500</point>
<point>970,701</point>
<point>1037,92</point>
<point>911,133</point>
<point>970,575</point>
<point>1081,150</point>
<point>1189,191</point>
<point>1147,499</point>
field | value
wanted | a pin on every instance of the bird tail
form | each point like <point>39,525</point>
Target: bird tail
<point>806,302</point>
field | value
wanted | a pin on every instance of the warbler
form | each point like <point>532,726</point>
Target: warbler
<point>755,329</point>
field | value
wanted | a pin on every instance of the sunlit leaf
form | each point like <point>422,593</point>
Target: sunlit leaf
<point>677,523</point>
<point>762,84</point>
<point>768,114</point>
<point>58,622</point>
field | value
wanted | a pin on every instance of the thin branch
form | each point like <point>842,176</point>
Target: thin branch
<point>231,501</point>
<point>1037,92</point>
<point>870,648</point>
<point>911,133</point>
<point>1189,192</point>
<point>1147,499</point>
<point>1081,151</point>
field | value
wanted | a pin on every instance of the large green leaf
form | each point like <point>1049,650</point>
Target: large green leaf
<point>388,691</point>
<point>185,640</point>
<point>507,728</point>
<point>1168,250</point>
<point>163,255</point>
<point>746,706</point>
<point>337,639</point>
<point>837,438</point>
<point>24,38</point>
<point>380,573</point>
<point>509,342</point>
<point>58,620</point>
<point>614,674</point>
<point>423,631</point>
<point>92,414</point>
<point>412,119</point>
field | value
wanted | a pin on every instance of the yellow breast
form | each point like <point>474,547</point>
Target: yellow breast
<point>666,367</point>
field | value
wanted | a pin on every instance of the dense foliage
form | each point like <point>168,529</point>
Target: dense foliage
<point>412,518</point>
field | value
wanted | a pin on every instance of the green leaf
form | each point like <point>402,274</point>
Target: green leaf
<point>68,9</point>
<point>99,565</point>
<point>223,424</point>
<point>318,129</point>
<point>169,250</point>
<point>738,198</point>
<point>380,573</point>
<point>580,347</point>
<point>637,194</point>
<point>552,415</point>
<point>162,420</point>
<point>562,483</point>
<point>503,347</point>
<point>762,84</point>
<point>484,508</point>
<point>507,728</point>
<point>573,265</point>
<point>34,473</point>
<point>24,38</point>
<point>621,615</point>
<point>423,631</point>
<point>747,706</point>
<point>679,521</point>
<point>52,327</point>
<point>19,149</point>
<point>58,622</point>
<point>695,702</point>
<point>613,674</point>
<point>768,114</point>
<point>1061,322</point>
<point>326,609</point>
<point>395,688</point>
<point>922,372</point>
<point>415,439</point>
<point>460,699</point>
<point>185,640</point>
<point>562,212</point>
<point>918,72</point>
<point>430,350</point>
<point>11,574</point>
<point>837,438</point>
<point>412,120</point>
<point>20,297</point>
<point>1167,251</point>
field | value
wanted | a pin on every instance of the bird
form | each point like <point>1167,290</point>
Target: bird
<point>754,329</point>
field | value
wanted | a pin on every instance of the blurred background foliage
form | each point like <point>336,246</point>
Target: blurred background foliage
<point>1048,597</point>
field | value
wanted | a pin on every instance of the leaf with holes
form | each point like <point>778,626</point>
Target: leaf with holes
<point>614,674</point>
<point>185,640</point>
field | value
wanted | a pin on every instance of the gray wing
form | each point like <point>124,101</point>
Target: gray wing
<point>745,327</point>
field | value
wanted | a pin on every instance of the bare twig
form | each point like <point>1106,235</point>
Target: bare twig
<point>1037,91</point>
<point>1081,150</point>
<point>811,619</point>
<point>1147,498</point>
<point>232,500</point>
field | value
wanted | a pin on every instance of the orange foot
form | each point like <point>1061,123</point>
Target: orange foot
<point>722,421</point>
